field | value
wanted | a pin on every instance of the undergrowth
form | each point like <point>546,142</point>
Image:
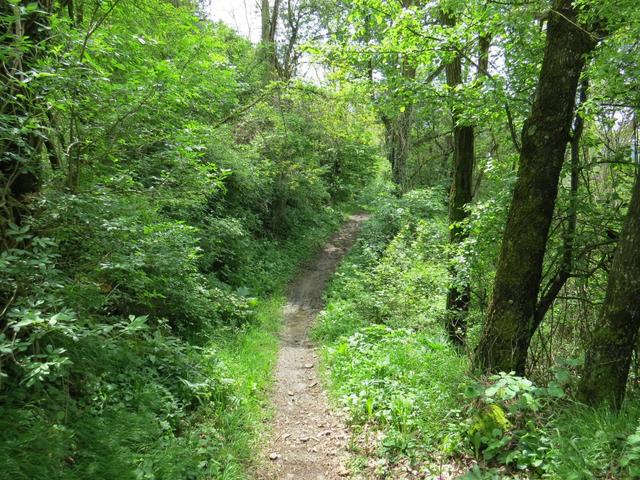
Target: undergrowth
<point>120,388</point>
<point>415,407</point>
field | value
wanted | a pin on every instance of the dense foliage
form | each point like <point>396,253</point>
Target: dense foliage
<point>527,142</point>
<point>141,275</point>
<point>412,404</point>
<point>162,178</point>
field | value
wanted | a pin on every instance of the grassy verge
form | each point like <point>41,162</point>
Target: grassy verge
<point>386,358</point>
<point>415,408</point>
<point>248,359</point>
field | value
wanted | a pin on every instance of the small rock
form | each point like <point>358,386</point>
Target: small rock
<point>290,393</point>
<point>304,439</point>
<point>308,365</point>
<point>274,456</point>
<point>343,472</point>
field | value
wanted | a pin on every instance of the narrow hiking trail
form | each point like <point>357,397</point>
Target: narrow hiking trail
<point>308,440</point>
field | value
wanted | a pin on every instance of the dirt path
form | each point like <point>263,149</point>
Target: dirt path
<point>308,440</point>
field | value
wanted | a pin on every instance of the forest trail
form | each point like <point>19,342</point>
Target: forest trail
<point>308,440</point>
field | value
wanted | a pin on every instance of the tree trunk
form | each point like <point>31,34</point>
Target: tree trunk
<point>269,16</point>
<point>608,359</point>
<point>566,264</point>
<point>507,331</point>
<point>460,195</point>
<point>398,128</point>
<point>398,146</point>
<point>265,13</point>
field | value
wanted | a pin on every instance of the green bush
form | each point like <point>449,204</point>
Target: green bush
<point>506,422</point>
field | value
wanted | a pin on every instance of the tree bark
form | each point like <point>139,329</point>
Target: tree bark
<point>265,14</point>
<point>606,369</point>
<point>508,328</point>
<point>399,145</point>
<point>460,195</point>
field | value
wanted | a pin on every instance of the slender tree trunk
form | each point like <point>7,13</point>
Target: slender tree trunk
<point>460,195</point>
<point>54,142</point>
<point>399,146</point>
<point>508,328</point>
<point>459,293</point>
<point>265,14</point>
<point>483,58</point>
<point>604,378</point>
<point>290,57</point>
<point>269,17</point>
<point>398,128</point>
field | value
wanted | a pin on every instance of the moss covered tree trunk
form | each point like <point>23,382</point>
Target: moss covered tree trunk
<point>611,346</point>
<point>507,331</point>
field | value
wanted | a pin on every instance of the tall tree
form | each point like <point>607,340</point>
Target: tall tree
<point>507,331</point>
<point>398,133</point>
<point>461,192</point>
<point>608,359</point>
<point>398,127</point>
<point>269,15</point>
<point>301,22</point>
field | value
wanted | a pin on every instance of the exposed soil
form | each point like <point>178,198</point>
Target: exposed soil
<point>308,440</point>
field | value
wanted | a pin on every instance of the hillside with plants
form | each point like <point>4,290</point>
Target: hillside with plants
<point>166,189</point>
